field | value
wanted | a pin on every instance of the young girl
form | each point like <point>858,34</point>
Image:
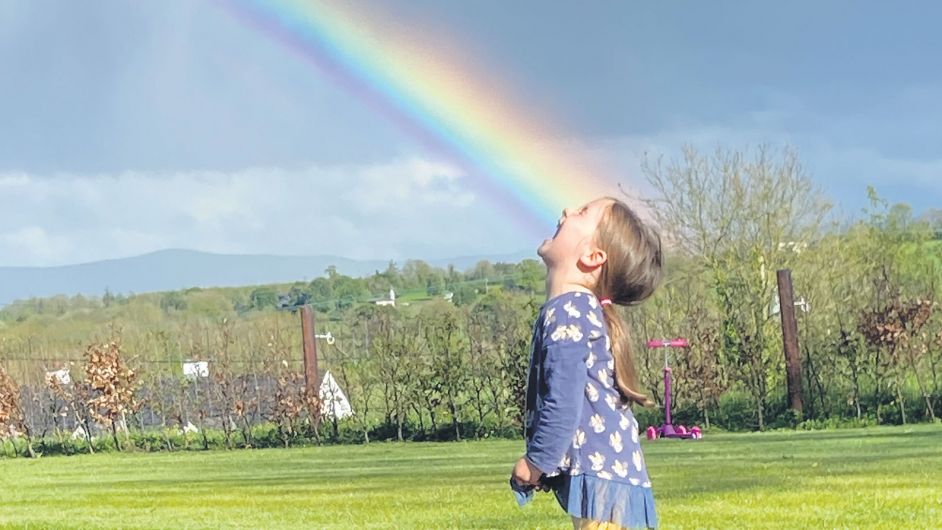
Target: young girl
<point>582,439</point>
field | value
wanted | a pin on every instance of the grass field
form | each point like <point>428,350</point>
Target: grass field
<point>889,477</point>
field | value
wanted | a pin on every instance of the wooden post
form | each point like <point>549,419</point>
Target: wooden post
<point>311,382</point>
<point>786,298</point>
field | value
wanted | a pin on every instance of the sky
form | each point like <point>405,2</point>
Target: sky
<point>131,127</point>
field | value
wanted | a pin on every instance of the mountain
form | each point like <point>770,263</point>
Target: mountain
<point>167,270</point>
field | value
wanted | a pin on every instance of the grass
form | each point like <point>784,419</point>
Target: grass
<point>883,477</point>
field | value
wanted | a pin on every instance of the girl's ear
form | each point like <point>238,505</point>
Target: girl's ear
<point>593,258</point>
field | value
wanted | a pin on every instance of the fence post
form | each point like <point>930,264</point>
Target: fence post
<point>786,299</point>
<point>310,349</point>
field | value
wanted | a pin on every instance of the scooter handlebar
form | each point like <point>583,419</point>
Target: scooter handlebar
<point>679,342</point>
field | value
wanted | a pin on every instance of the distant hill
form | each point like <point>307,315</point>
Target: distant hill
<point>167,270</point>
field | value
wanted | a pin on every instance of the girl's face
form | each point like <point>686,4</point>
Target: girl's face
<point>575,234</point>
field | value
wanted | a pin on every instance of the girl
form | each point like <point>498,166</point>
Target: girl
<point>582,439</point>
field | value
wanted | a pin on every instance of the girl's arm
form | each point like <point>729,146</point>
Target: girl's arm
<point>564,373</point>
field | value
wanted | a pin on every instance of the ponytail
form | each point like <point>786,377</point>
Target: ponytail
<point>630,275</point>
<point>626,376</point>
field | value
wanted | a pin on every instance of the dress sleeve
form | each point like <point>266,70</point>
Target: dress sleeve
<point>566,340</point>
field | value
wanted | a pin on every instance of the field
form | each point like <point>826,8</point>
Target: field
<point>887,477</point>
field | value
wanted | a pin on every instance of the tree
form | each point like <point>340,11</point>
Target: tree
<point>482,270</point>
<point>359,375</point>
<point>741,219</point>
<point>12,416</point>
<point>263,298</point>
<point>500,332</point>
<point>394,345</point>
<point>112,384</point>
<point>446,352</point>
<point>173,301</point>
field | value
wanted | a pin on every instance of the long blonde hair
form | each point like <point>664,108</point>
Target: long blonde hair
<point>630,275</point>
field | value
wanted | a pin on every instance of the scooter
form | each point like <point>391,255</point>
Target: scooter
<point>668,430</point>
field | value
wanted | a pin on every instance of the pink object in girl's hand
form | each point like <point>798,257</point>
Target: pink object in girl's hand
<point>651,433</point>
<point>696,432</point>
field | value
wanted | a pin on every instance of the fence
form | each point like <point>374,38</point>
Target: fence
<point>233,385</point>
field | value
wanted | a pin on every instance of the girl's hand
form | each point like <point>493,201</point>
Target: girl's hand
<point>525,473</point>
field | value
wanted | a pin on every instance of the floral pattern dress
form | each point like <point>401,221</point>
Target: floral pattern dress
<point>580,433</point>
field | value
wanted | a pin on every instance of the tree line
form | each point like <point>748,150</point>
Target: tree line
<point>450,367</point>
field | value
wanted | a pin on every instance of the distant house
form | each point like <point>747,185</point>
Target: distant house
<point>391,301</point>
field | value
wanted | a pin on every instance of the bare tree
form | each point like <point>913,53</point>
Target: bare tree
<point>741,219</point>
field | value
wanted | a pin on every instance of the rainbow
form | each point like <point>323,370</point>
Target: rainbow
<point>517,159</point>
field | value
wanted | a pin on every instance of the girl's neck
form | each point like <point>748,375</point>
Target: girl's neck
<point>558,283</point>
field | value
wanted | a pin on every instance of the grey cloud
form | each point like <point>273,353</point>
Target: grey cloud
<point>404,209</point>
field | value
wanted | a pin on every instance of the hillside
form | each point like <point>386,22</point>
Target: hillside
<point>170,270</point>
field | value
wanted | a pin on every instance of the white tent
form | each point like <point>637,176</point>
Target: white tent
<point>334,402</point>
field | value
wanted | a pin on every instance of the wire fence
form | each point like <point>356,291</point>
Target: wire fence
<point>231,380</point>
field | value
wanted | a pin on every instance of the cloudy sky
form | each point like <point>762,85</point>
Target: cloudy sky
<point>129,127</point>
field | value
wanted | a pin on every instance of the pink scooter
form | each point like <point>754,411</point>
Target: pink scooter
<point>668,430</point>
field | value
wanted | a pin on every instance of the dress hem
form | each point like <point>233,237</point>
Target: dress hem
<point>598,499</point>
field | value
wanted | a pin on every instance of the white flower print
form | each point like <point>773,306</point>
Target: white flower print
<point>575,333</point>
<point>594,319</point>
<point>591,392</point>
<point>621,469</point>
<point>593,302</point>
<point>608,343</point>
<point>562,332</point>
<point>604,378</point>
<point>576,468</point>
<point>636,460</point>
<point>634,435</point>
<point>594,334</point>
<point>615,441</point>
<point>634,481</point>
<point>612,400</point>
<point>598,461</point>
<point>624,423</point>
<point>571,310</point>
<point>550,316</point>
<point>578,440</point>
<point>605,474</point>
<point>564,463</point>
<point>646,484</point>
<point>610,364</point>
<point>598,423</point>
<point>590,360</point>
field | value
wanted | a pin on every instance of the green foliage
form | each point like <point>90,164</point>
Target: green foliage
<point>263,298</point>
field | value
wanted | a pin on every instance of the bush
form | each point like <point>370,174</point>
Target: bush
<point>736,412</point>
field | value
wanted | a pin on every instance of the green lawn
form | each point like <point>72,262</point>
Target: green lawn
<point>872,478</point>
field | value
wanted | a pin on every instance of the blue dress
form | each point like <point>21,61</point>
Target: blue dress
<point>579,432</point>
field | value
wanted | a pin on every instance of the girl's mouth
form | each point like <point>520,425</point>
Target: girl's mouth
<point>559,226</point>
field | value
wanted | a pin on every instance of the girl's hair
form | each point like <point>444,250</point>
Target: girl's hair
<point>629,275</point>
